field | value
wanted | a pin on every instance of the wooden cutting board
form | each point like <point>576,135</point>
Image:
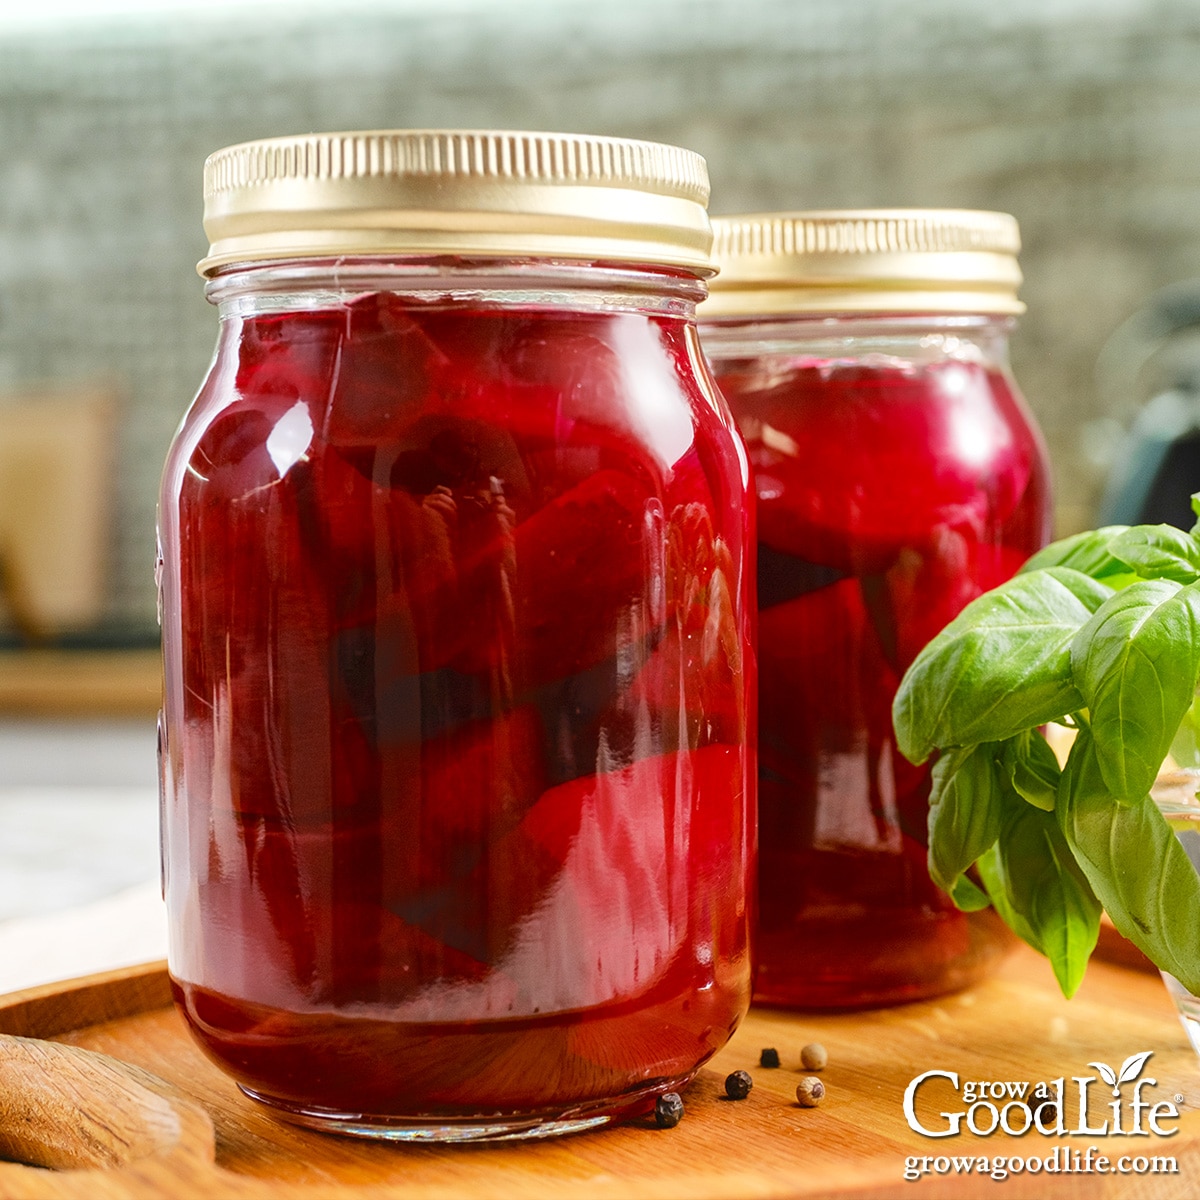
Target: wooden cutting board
<point>185,1130</point>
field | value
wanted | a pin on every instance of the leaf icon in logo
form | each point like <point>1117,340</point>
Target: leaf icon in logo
<point>1131,1068</point>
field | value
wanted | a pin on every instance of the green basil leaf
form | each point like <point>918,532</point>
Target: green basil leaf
<point>1039,889</point>
<point>1091,593</point>
<point>1185,745</point>
<point>1135,664</point>
<point>1135,864</point>
<point>993,870</point>
<point>1195,530</point>
<point>1087,552</point>
<point>967,897</point>
<point>1159,552</point>
<point>965,807</point>
<point>1033,770</point>
<point>1002,666</point>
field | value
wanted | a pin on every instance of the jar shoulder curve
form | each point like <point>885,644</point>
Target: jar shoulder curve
<point>379,372</point>
<point>216,391</point>
<point>885,449</point>
<point>948,410</point>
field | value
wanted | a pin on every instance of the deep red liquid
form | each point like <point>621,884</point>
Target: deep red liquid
<point>889,497</point>
<point>459,796</point>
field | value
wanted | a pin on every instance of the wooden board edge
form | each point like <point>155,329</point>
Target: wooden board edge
<point>61,683</point>
<point>55,1008</point>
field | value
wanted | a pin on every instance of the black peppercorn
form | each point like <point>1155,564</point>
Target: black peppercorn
<point>738,1085</point>
<point>769,1057</point>
<point>1045,1112</point>
<point>668,1110</point>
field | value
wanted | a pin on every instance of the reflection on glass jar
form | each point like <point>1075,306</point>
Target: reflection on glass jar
<point>899,475</point>
<point>459,682</point>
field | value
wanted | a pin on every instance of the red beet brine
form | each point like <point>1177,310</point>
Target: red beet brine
<point>458,781</point>
<point>899,476</point>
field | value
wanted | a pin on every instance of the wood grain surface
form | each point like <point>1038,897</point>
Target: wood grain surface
<point>72,683</point>
<point>1013,1027</point>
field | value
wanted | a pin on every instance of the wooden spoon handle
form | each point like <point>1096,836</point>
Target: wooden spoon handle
<point>67,1108</point>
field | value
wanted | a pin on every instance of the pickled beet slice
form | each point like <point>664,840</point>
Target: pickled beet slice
<point>854,463</point>
<point>589,900</point>
<point>288,356</point>
<point>687,681</point>
<point>477,905</point>
<point>593,857</point>
<point>436,593</point>
<point>566,408</point>
<point>539,600</point>
<point>914,601</point>
<point>549,387</point>
<point>822,673</point>
<point>305,904</point>
<point>387,368</point>
<point>580,567</point>
<point>477,783</point>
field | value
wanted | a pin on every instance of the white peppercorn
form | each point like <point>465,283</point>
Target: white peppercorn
<point>814,1056</point>
<point>810,1091</point>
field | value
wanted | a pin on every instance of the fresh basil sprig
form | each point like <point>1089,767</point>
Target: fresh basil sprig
<point>1100,631</point>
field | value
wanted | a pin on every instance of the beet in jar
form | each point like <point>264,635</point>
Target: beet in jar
<point>456,592</point>
<point>899,475</point>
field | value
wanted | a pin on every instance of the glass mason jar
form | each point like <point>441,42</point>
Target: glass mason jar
<point>899,475</point>
<point>456,590</point>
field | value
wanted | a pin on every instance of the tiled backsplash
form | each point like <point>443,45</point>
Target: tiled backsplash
<point>1083,119</point>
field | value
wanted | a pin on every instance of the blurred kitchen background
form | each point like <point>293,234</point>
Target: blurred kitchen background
<point>1082,117</point>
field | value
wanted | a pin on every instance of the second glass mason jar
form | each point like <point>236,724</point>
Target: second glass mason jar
<point>899,475</point>
<point>455,580</point>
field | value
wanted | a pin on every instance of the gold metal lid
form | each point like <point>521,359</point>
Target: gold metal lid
<point>460,192</point>
<point>870,260</point>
